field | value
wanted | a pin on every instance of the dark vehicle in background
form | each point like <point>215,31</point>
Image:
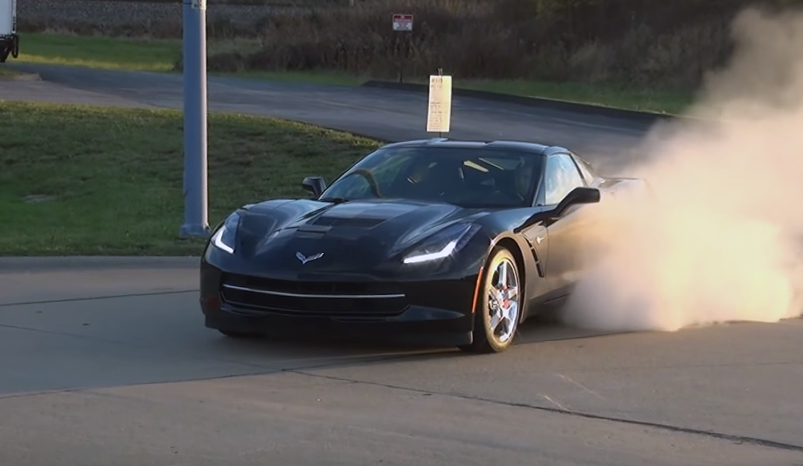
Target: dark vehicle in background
<point>9,40</point>
<point>435,241</point>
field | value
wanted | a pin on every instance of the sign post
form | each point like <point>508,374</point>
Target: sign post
<point>196,221</point>
<point>403,23</point>
<point>439,114</point>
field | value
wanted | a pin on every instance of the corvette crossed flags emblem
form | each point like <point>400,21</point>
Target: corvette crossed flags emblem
<point>305,259</point>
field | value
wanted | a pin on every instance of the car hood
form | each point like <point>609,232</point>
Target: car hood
<point>323,238</point>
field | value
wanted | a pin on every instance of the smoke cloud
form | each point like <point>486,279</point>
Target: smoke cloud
<point>720,238</point>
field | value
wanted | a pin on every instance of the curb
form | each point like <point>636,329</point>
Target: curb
<point>540,102</point>
<point>22,77</point>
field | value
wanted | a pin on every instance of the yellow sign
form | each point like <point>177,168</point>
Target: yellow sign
<point>439,114</point>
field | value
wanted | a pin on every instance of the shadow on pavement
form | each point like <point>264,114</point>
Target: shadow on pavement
<point>533,331</point>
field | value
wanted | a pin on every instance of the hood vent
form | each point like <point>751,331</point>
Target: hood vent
<point>348,222</point>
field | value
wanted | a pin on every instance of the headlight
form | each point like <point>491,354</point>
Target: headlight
<point>446,242</point>
<point>225,237</point>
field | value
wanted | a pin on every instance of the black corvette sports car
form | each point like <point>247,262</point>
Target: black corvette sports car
<point>436,241</point>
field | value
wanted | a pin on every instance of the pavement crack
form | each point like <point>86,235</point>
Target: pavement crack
<point>76,335</point>
<point>96,298</point>
<point>145,345</point>
<point>737,439</point>
<point>96,390</point>
<point>258,370</point>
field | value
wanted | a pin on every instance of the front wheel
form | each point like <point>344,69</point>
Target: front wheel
<point>499,306</point>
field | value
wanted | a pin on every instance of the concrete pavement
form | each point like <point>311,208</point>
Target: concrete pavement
<point>106,361</point>
<point>121,371</point>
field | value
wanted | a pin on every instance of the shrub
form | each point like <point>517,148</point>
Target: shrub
<point>635,41</point>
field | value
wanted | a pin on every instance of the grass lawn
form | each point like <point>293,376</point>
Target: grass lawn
<point>100,181</point>
<point>610,95</point>
<point>98,52</point>
<point>159,55</point>
<point>143,55</point>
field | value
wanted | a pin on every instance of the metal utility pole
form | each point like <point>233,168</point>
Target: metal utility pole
<point>196,221</point>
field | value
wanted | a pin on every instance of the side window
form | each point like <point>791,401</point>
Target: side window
<point>561,178</point>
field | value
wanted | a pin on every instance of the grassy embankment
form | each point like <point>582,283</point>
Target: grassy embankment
<point>100,181</point>
<point>143,54</point>
<point>635,54</point>
<point>6,73</point>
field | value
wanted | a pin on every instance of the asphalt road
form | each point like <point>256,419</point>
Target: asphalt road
<point>378,113</point>
<point>107,361</point>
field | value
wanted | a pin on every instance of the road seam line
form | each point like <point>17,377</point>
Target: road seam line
<point>96,298</point>
<point>737,439</point>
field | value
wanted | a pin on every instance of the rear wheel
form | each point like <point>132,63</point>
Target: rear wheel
<point>499,305</point>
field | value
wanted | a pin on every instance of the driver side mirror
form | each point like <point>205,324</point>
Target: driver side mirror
<point>314,184</point>
<point>579,195</point>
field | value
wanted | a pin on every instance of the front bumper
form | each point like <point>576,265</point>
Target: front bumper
<point>429,312</point>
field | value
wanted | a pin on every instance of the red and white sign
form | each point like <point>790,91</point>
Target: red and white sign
<point>403,23</point>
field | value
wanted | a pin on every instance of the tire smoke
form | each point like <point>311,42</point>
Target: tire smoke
<point>721,239</point>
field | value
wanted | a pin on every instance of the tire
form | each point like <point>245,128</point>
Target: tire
<point>490,338</point>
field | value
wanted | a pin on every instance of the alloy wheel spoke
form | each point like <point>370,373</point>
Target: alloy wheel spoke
<point>496,318</point>
<point>503,275</point>
<point>511,313</point>
<point>513,292</point>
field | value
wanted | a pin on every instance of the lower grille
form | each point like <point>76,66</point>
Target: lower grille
<point>311,287</point>
<point>314,298</point>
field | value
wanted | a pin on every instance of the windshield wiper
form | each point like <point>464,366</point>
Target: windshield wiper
<point>334,200</point>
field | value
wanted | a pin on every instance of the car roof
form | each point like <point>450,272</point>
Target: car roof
<point>529,147</point>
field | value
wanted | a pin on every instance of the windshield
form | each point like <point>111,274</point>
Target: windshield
<point>467,177</point>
